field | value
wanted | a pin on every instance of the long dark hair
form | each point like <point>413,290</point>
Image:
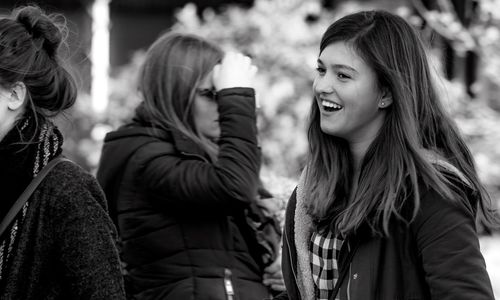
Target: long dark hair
<point>30,42</point>
<point>174,66</point>
<point>416,127</point>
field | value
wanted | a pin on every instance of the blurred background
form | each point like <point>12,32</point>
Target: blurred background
<point>108,39</point>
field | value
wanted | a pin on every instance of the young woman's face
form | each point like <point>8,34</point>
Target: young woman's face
<point>347,94</point>
<point>205,110</point>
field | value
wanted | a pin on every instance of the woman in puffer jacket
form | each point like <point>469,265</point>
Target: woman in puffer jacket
<point>181,175</point>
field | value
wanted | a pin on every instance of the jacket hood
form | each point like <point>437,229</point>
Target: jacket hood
<point>118,147</point>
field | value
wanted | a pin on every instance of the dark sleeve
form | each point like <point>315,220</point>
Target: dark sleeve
<point>85,239</point>
<point>233,179</point>
<point>449,249</point>
<point>289,252</point>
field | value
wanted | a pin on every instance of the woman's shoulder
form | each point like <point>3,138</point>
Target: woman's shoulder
<point>462,190</point>
<point>68,173</point>
<point>153,148</point>
<point>459,185</point>
<point>69,184</point>
<point>459,206</point>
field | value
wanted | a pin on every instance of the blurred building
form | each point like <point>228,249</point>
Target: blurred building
<point>134,25</point>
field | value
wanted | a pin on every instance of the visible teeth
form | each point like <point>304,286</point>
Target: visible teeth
<point>330,104</point>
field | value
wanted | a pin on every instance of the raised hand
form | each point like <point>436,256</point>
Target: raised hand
<point>235,70</point>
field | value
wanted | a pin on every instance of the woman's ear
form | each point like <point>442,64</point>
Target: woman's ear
<point>386,100</point>
<point>17,97</point>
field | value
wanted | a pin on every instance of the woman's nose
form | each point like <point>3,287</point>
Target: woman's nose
<point>323,85</point>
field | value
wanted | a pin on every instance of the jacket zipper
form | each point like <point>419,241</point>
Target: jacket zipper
<point>228,284</point>
<point>290,255</point>
<point>349,283</point>
<point>348,292</point>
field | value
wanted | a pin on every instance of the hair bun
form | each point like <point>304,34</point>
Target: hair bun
<point>44,30</point>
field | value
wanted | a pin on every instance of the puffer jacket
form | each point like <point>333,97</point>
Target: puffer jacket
<point>436,256</point>
<point>180,216</point>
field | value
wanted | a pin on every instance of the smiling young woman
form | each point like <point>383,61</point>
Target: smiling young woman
<point>386,206</point>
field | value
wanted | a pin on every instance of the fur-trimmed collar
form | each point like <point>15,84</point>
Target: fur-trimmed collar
<point>302,235</point>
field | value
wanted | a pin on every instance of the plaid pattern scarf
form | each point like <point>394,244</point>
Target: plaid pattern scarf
<point>324,249</point>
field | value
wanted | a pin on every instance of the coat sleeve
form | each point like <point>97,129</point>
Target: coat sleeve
<point>85,238</point>
<point>232,179</point>
<point>449,249</point>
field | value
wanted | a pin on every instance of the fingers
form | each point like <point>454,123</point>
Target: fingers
<point>274,267</point>
<point>276,284</point>
<point>271,281</point>
<point>278,287</point>
<point>273,276</point>
<point>216,71</point>
<point>235,70</point>
<point>253,70</point>
<point>268,205</point>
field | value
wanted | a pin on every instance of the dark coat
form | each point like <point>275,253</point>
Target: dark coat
<point>66,244</point>
<point>180,216</point>
<point>436,257</point>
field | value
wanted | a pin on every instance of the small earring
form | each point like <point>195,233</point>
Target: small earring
<point>383,103</point>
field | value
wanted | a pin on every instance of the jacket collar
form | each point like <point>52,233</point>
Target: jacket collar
<point>181,142</point>
<point>303,227</point>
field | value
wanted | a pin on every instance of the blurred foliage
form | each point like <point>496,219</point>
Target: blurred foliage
<point>283,38</point>
<point>480,33</point>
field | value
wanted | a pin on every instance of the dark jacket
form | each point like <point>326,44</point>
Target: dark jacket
<point>437,256</point>
<point>66,244</point>
<point>180,216</point>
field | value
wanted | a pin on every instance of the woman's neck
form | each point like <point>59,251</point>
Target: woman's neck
<point>358,151</point>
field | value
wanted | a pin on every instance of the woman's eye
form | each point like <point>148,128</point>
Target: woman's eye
<point>211,94</point>
<point>321,70</point>
<point>343,76</point>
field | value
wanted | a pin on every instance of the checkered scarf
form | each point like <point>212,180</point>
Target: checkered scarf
<point>324,249</point>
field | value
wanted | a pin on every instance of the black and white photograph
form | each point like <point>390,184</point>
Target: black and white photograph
<point>250,149</point>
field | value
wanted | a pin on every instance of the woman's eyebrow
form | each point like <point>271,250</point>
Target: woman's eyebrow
<point>339,66</point>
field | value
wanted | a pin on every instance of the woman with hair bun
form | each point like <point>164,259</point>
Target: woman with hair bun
<point>60,243</point>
